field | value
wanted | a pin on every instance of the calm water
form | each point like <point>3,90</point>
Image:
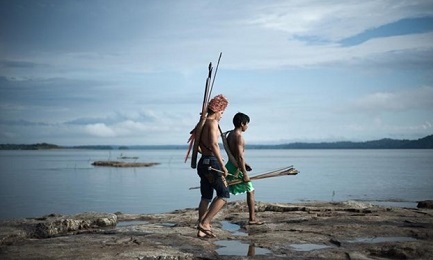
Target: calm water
<point>36,183</point>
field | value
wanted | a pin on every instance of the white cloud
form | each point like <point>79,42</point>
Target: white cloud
<point>100,130</point>
<point>409,99</point>
<point>334,20</point>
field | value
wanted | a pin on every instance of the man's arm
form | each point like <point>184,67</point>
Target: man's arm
<point>240,146</point>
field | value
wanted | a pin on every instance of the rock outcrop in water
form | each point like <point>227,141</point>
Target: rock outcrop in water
<point>319,230</point>
<point>427,204</point>
<point>123,164</point>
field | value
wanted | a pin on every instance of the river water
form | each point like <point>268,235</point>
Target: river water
<point>36,183</point>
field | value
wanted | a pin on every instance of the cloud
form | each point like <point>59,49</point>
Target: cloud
<point>151,125</point>
<point>334,21</point>
<point>22,122</point>
<point>401,27</point>
<point>260,35</point>
<point>132,72</point>
<point>410,99</point>
<point>128,128</point>
<point>7,64</point>
<point>147,116</point>
<point>100,130</point>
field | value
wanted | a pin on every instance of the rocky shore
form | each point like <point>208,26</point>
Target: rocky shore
<point>316,230</point>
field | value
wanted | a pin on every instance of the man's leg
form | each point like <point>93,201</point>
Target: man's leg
<point>252,209</point>
<point>216,205</point>
<point>202,209</point>
<point>251,205</point>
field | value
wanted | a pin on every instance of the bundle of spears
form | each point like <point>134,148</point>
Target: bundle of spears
<point>290,170</point>
<point>196,132</point>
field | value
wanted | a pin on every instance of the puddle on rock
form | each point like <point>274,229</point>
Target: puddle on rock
<point>168,224</point>
<point>131,223</point>
<point>233,228</point>
<point>373,240</point>
<point>308,247</point>
<point>237,248</point>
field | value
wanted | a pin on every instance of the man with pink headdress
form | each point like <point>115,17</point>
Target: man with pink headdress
<point>211,168</point>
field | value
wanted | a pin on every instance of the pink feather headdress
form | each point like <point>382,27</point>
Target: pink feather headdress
<point>218,103</point>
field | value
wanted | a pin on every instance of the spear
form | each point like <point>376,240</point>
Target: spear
<point>196,133</point>
<point>198,129</point>
<point>275,173</point>
<point>214,76</point>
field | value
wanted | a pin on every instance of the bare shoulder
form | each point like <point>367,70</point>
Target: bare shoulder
<point>212,122</point>
<point>231,135</point>
<point>236,137</point>
<point>239,139</point>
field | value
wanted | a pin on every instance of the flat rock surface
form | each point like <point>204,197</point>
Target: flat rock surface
<point>314,230</point>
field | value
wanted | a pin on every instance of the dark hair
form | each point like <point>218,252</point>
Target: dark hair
<point>210,112</point>
<point>240,118</point>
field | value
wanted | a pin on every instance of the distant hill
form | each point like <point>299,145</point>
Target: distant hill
<point>40,146</point>
<point>386,143</point>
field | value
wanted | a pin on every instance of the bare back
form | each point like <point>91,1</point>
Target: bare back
<point>209,137</point>
<point>209,140</point>
<point>236,143</point>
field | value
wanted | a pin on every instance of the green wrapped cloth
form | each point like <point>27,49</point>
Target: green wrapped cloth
<point>240,187</point>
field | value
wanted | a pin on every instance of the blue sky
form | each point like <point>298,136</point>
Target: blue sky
<point>133,72</point>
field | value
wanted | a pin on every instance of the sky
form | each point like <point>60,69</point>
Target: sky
<point>133,72</point>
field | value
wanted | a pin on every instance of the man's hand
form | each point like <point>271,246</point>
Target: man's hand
<point>226,172</point>
<point>246,178</point>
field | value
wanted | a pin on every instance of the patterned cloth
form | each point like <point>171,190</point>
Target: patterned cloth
<point>240,187</point>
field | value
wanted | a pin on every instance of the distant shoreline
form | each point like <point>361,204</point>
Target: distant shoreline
<point>386,143</point>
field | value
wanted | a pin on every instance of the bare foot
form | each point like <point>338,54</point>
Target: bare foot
<point>255,222</point>
<point>204,232</point>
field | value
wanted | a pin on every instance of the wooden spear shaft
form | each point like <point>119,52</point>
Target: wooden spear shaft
<point>281,172</point>
<point>198,129</point>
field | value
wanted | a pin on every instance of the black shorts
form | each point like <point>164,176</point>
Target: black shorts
<point>211,180</point>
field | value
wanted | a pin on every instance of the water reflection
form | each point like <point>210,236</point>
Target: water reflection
<point>308,247</point>
<point>233,228</point>
<point>238,248</point>
<point>131,223</point>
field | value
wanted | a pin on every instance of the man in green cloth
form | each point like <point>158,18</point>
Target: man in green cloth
<point>238,169</point>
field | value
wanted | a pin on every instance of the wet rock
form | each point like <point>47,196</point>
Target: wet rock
<point>55,225</point>
<point>357,204</point>
<point>335,242</point>
<point>397,252</point>
<point>426,204</point>
<point>316,230</point>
